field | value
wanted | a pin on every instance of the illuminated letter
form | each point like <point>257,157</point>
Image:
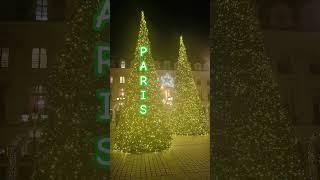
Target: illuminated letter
<point>143,66</point>
<point>104,115</point>
<point>102,155</point>
<point>102,16</point>
<point>143,95</point>
<point>143,81</point>
<point>143,50</point>
<point>143,109</point>
<point>102,59</point>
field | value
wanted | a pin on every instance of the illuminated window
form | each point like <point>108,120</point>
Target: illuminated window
<point>123,64</point>
<point>122,92</point>
<point>42,10</point>
<point>122,80</point>
<point>39,58</point>
<point>4,57</point>
<point>111,79</point>
<point>38,100</point>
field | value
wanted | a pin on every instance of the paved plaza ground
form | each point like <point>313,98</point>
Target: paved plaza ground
<point>188,158</point>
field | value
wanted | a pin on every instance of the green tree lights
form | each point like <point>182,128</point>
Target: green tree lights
<point>141,126</point>
<point>252,135</point>
<point>189,117</point>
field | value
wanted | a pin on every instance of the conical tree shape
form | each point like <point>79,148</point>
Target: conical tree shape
<point>189,116</point>
<point>135,131</point>
<point>68,141</point>
<point>252,135</point>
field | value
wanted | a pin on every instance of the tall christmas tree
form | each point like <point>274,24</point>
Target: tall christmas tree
<point>252,135</point>
<point>68,140</point>
<point>141,126</point>
<point>189,116</point>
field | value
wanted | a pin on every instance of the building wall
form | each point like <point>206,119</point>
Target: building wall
<point>21,32</point>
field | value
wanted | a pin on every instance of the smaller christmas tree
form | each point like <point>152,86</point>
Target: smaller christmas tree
<point>189,115</point>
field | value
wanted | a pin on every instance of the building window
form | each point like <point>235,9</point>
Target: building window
<point>123,64</point>
<point>4,57</point>
<point>206,66</point>
<point>39,58</point>
<point>166,65</point>
<point>197,66</point>
<point>199,82</point>
<point>121,92</point>
<point>316,113</point>
<point>38,99</point>
<point>42,10</point>
<point>314,68</point>
<point>111,79</point>
<point>122,80</point>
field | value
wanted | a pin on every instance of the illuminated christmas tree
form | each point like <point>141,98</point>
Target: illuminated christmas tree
<point>141,126</point>
<point>252,135</point>
<point>68,140</point>
<point>189,117</point>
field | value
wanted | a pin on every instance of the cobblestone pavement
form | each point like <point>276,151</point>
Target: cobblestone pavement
<point>188,158</point>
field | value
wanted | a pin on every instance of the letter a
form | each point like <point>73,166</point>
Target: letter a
<point>102,16</point>
<point>143,66</point>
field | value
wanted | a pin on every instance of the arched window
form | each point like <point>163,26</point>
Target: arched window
<point>197,67</point>
<point>41,10</point>
<point>206,66</point>
<point>123,64</point>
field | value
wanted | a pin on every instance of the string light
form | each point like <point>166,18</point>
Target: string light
<point>253,137</point>
<point>135,132</point>
<point>67,147</point>
<point>189,117</point>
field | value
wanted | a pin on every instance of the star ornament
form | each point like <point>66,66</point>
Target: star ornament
<point>167,80</point>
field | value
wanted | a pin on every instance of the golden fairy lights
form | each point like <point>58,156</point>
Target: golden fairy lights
<point>138,132</point>
<point>252,134</point>
<point>193,120</point>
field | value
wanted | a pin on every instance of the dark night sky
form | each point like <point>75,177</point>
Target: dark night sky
<point>166,20</point>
